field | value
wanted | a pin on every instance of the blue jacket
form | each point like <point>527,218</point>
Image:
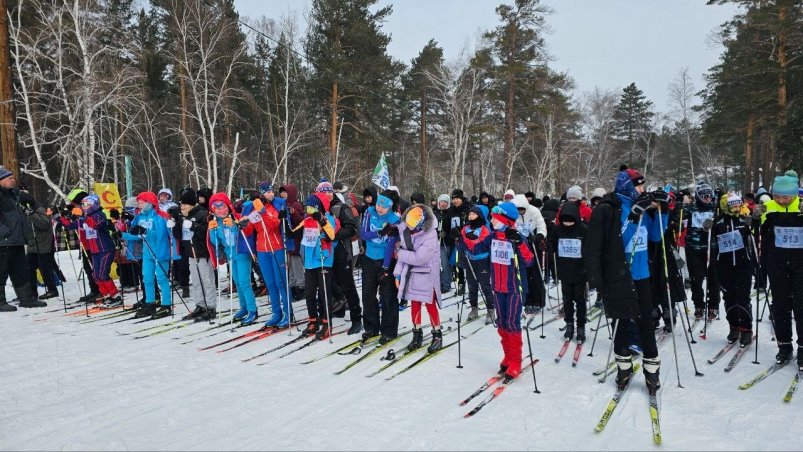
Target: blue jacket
<point>650,231</point>
<point>157,237</point>
<point>315,253</point>
<point>376,246</point>
<point>229,239</point>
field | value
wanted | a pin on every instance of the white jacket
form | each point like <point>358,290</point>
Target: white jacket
<point>532,222</point>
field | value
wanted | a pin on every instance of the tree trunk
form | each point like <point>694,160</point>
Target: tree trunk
<point>424,151</point>
<point>8,134</point>
<point>333,122</point>
<point>749,166</point>
<point>182,89</point>
<point>510,121</point>
<point>782,63</point>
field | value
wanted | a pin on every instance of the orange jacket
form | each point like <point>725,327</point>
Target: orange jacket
<point>268,232</point>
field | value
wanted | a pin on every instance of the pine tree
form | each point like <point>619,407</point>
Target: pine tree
<point>633,116</point>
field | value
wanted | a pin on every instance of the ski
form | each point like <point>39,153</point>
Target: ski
<point>606,370</point>
<point>617,396</point>
<point>547,322</point>
<point>312,341</point>
<point>491,381</point>
<point>499,389</point>
<point>428,356</point>
<point>764,374</point>
<point>266,332</point>
<point>721,353</point>
<point>370,353</point>
<point>221,327</point>
<point>278,347</point>
<point>260,330</point>
<point>736,357</point>
<point>578,349</point>
<point>339,351</point>
<point>562,351</point>
<point>655,414</point>
<point>792,387</point>
<point>406,354</point>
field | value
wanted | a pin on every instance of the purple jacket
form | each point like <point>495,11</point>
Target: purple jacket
<point>419,267</point>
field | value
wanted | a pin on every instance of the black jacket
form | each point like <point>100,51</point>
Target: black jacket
<point>14,227</point>
<point>348,224</point>
<point>454,219</point>
<point>198,216</point>
<point>570,270</point>
<point>604,256</point>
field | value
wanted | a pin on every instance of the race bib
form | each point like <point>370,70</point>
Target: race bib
<point>254,217</point>
<point>311,236</point>
<point>186,234</point>
<point>455,222</point>
<point>570,248</point>
<point>789,237</point>
<point>501,252</point>
<point>639,240</point>
<point>730,242</point>
<point>697,218</point>
<point>89,232</point>
<point>524,228</point>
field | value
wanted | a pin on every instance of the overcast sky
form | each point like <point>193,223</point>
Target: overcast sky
<point>604,43</point>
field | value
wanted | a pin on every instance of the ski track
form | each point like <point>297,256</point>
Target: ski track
<point>68,386</point>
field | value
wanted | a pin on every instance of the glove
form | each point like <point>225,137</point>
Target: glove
<point>212,224</point>
<point>393,232</point>
<point>282,214</point>
<point>258,206</point>
<point>244,221</point>
<point>660,197</point>
<point>748,220</point>
<point>472,235</point>
<point>171,223</point>
<point>115,214</point>
<point>512,236</point>
<point>76,212</point>
<point>454,234</point>
<point>317,216</point>
<point>386,276</point>
<point>758,212</point>
<point>137,230</point>
<point>127,216</point>
<point>641,205</point>
<point>385,230</point>
<point>174,211</point>
<point>708,224</point>
<point>539,238</point>
<point>228,222</point>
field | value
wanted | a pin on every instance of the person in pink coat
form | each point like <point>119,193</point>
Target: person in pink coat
<point>417,271</point>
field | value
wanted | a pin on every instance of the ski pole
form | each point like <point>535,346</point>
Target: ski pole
<point>172,289</point>
<point>200,279</point>
<point>599,319</point>
<point>546,288</point>
<point>757,270</point>
<point>85,256</point>
<point>287,279</point>
<point>610,351</point>
<point>527,330</point>
<point>705,292</point>
<point>459,316</point>
<point>72,262</point>
<point>323,282</point>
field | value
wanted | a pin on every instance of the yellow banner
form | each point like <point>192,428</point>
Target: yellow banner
<point>109,196</point>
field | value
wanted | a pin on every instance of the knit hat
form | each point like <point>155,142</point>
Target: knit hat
<point>91,200</point>
<point>625,186</point>
<point>635,176</point>
<point>415,217</point>
<point>384,202</point>
<point>264,186</point>
<point>529,194</point>
<point>188,196</point>
<point>703,190</point>
<point>131,203</point>
<point>509,194</point>
<point>444,197</point>
<point>325,187</point>
<point>505,213</point>
<point>149,197</point>
<point>598,193</point>
<point>457,193</point>
<point>313,201</point>
<point>786,185</point>
<point>4,172</point>
<point>394,188</point>
<point>417,198</point>
<point>574,192</point>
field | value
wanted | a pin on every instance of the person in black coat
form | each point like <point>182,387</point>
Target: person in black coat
<point>453,221</point>
<point>345,291</point>
<point>566,243</point>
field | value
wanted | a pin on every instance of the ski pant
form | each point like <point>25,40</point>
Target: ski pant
<point>93,286</point>
<point>129,276</point>
<point>446,270</point>
<point>241,266</point>
<point>47,267</point>
<point>478,277</point>
<point>432,310</point>
<point>371,283</point>
<point>536,295</point>
<point>102,267</point>
<point>295,270</point>
<point>318,293</point>
<point>696,262</point>
<point>181,271</point>
<point>646,327</point>
<point>11,258</point>
<point>155,272</point>
<point>574,294</point>
<point>735,282</point>
<point>508,311</point>
<point>344,280</point>
<point>202,283</point>
<point>786,284</point>
<point>273,268</point>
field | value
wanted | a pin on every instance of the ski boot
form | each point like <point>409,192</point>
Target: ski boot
<point>746,337</point>
<point>490,317</point>
<point>651,369</point>
<point>311,329</point>
<point>324,332</point>
<point>185,291</point>
<point>734,335</point>
<point>274,320</point>
<point>474,314</point>
<point>112,302</point>
<point>250,318</point>
<point>581,334</point>
<point>385,339</point>
<point>49,294</point>
<point>146,310</point>
<point>356,327</point>
<point>698,313</point>
<point>418,339</point>
<point>89,298</point>
<point>437,341</point>
<point>241,314</point>
<point>368,335</point>
<point>209,315</point>
<point>713,314</point>
<point>785,352</point>
<point>162,311</point>
<point>198,312</point>
<point>284,322</point>
<point>5,307</point>
<point>800,358</point>
<point>569,334</point>
<point>624,371</point>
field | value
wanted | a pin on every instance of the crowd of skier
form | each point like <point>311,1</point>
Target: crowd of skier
<point>621,245</point>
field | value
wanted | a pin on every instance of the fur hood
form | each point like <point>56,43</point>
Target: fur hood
<point>429,217</point>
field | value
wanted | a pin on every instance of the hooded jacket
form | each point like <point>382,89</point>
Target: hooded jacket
<point>318,243</point>
<point>157,236</point>
<point>194,240</point>
<point>348,224</point>
<point>376,245</point>
<point>532,222</point>
<point>268,230</point>
<point>567,244</point>
<point>491,200</point>
<point>295,213</point>
<point>226,241</point>
<point>418,260</point>
<point>475,248</point>
<point>169,204</point>
<point>364,206</point>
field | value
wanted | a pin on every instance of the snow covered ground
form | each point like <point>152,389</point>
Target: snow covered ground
<point>77,386</point>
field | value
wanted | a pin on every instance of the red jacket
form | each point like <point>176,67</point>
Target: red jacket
<point>270,225</point>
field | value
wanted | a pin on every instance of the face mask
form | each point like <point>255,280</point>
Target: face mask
<point>497,225</point>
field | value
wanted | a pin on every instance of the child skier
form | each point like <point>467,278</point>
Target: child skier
<point>474,252</point>
<point>317,247</point>
<point>509,257</point>
<point>417,271</point>
<point>734,259</point>
<point>227,241</point>
<point>567,244</point>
